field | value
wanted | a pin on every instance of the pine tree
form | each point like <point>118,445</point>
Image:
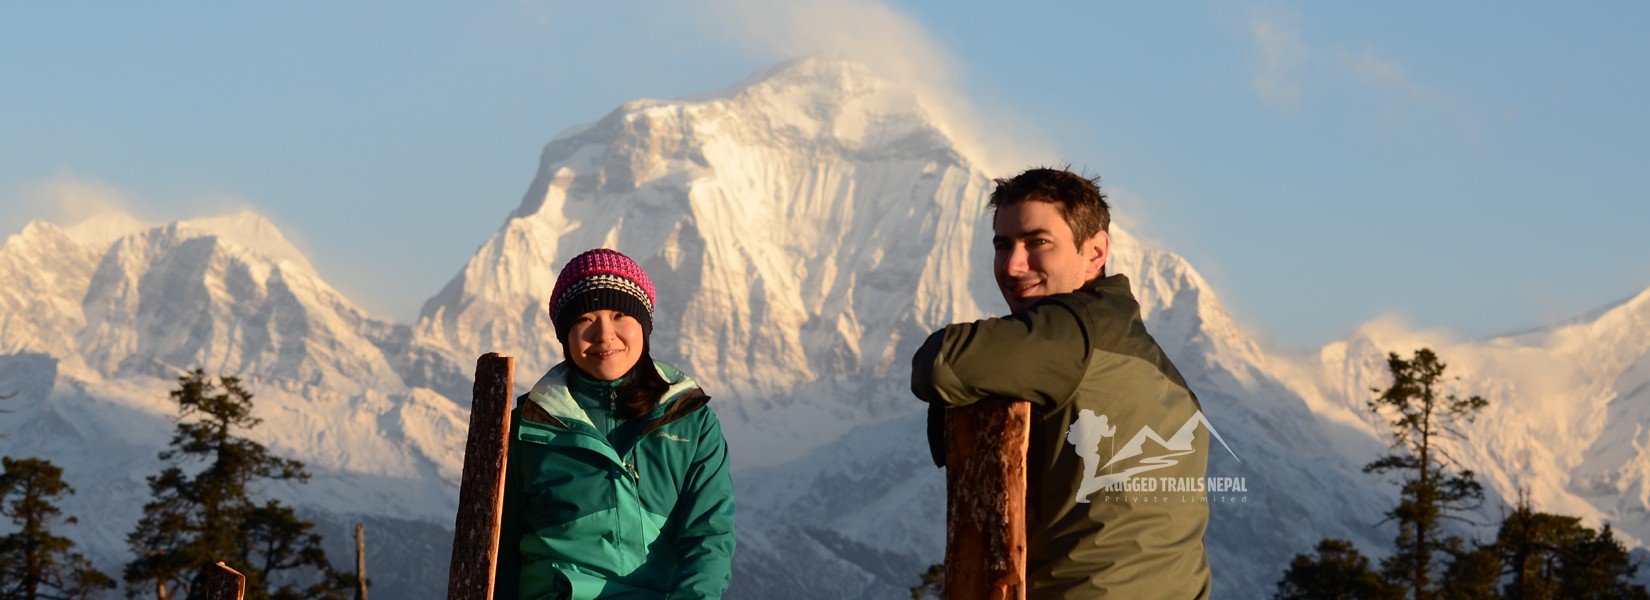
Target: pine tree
<point>1473,574</point>
<point>196,520</point>
<point>1337,572</point>
<point>1535,556</point>
<point>1555,556</point>
<point>932,585</point>
<point>1421,412</point>
<point>34,564</point>
<point>1600,568</point>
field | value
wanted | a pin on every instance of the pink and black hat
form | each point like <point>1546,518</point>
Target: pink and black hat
<point>601,279</point>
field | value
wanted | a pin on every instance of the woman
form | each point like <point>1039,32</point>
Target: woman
<point>617,483</point>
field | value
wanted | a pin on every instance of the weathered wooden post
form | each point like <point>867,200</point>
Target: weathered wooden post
<point>222,583</point>
<point>360,561</point>
<point>481,489</point>
<point>985,487</point>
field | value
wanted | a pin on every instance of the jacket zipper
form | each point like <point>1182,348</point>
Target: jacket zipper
<point>613,417</point>
<point>622,528</point>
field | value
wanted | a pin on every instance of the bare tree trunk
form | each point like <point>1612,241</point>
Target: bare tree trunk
<point>223,583</point>
<point>985,484</point>
<point>160,589</point>
<point>360,561</point>
<point>481,490</point>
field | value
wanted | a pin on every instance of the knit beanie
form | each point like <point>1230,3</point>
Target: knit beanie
<point>601,279</point>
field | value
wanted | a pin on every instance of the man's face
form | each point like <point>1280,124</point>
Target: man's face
<point>1037,255</point>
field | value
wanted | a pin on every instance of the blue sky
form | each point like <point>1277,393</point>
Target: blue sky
<point>1476,167</point>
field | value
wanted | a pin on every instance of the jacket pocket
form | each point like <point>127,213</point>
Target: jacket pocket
<point>563,484</point>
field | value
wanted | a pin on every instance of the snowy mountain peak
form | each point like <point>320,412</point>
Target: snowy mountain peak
<point>37,237</point>
<point>823,79</point>
<point>803,229</point>
<point>103,228</point>
<point>835,101</point>
<point>802,107</point>
<point>249,230</point>
<point>36,230</point>
<point>45,271</point>
<point>230,295</point>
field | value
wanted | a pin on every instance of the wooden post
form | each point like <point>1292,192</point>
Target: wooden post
<point>223,583</point>
<point>360,561</point>
<point>985,487</point>
<point>481,489</point>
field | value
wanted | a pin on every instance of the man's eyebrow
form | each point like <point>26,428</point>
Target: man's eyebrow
<point>1023,235</point>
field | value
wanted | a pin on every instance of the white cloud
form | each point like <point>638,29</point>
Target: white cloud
<point>67,199</point>
<point>1394,332</point>
<point>96,212</point>
<point>1284,66</point>
<point>1385,75</point>
<point>1281,56</point>
<point>891,42</point>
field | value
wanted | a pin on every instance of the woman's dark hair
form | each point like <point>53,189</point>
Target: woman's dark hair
<point>642,389</point>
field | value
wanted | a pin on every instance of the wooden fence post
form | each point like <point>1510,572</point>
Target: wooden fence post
<point>360,561</point>
<point>223,583</point>
<point>985,487</point>
<point>481,489</point>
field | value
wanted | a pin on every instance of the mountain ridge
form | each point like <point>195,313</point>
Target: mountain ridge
<point>803,241</point>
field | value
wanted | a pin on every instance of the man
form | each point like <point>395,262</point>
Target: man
<point>1119,519</point>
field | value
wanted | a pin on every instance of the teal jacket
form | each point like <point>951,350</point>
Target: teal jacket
<point>598,507</point>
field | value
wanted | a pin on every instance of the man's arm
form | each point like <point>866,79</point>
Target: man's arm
<point>1038,355</point>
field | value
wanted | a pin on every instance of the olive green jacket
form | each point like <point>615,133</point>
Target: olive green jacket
<point>598,507</point>
<point>1114,507</point>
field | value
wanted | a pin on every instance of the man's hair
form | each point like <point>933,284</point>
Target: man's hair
<point>1078,198</point>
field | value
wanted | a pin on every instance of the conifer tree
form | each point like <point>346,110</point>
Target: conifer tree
<point>932,584</point>
<point>34,563</point>
<point>1473,573</point>
<point>1554,556</point>
<point>202,511</point>
<point>1535,555</point>
<point>1421,412</point>
<point>1337,572</point>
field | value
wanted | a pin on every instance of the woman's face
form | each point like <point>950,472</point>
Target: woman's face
<point>605,344</point>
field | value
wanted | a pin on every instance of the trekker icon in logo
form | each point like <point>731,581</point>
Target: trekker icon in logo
<point>1090,429</point>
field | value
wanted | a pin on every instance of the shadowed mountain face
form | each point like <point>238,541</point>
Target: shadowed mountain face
<point>805,229</point>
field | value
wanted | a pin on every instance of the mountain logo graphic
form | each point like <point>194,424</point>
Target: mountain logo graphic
<point>1090,429</point>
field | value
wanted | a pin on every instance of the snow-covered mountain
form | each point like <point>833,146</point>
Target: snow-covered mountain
<point>805,229</point>
<point>97,332</point>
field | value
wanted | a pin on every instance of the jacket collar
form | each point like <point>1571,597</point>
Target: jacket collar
<point>552,394</point>
<point>1115,283</point>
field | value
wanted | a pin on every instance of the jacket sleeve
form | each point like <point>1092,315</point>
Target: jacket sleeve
<point>704,513</point>
<point>1037,355</point>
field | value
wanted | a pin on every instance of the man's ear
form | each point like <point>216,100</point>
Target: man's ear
<point>1096,251</point>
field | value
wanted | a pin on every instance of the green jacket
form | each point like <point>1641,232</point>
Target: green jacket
<point>1115,507</point>
<point>597,507</point>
